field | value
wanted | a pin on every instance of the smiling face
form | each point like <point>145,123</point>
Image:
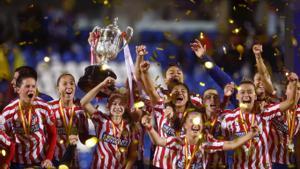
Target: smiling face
<point>193,124</point>
<point>66,87</point>
<point>174,73</point>
<point>27,89</point>
<point>179,95</point>
<point>117,107</point>
<point>246,96</point>
<point>211,100</point>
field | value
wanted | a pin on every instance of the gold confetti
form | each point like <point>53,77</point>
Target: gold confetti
<point>234,8</point>
<point>138,105</point>
<point>202,84</point>
<point>158,48</point>
<point>22,43</point>
<point>294,41</point>
<point>61,142</point>
<point>63,166</point>
<point>47,59</point>
<point>201,35</point>
<point>231,21</point>
<point>172,57</point>
<point>193,1</point>
<point>236,30</point>
<point>208,65</point>
<point>105,2</point>
<point>188,12</point>
<point>224,50</point>
<point>3,152</point>
<point>91,142</point>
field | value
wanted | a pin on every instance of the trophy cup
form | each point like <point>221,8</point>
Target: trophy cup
<point>105,46</point>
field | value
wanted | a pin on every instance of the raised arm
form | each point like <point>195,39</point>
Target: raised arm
<point>148,83</point>
<point>140,53</point>
<point>291,99</point>
<point>85,102</point>
<point>231,145</point>
<point>219,76</point>
<point>262,69</point>
<point>154,136</point>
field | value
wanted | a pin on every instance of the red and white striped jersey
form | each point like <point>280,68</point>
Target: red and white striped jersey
<point>30,149</point>
<point>254,153</point>
<point>111,151</point>
<point>61,139</point>
<point>210,145</point>
<point>279,138</point>
<point>213,127</point>
<point>5,141</point>
<point>163,156</point>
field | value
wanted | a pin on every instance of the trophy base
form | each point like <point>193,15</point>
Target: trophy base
<point>94,75</point>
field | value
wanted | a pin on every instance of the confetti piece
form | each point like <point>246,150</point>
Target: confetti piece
<point>201,35</point>
<point>224,50</point>
<point>294,41</point>
<point>154,54</point>
<point>172,57</point>
<point>47,59</point>
<point>158,48</point>
<point>193,1</point>
<point>231,21</point>
<point>236,30</point>
<point>3,152</point>
<point>139,105</point>
<point>202,84</point>
<point>91,142</point>
<point>234,8</point>
<point>61,142</point>
<point>208,65</point>
<point>63,166</point>
<point>22,43</point>
<point>188,12</point>
<point>177,19</point>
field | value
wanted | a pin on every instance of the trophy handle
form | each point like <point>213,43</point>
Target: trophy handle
<point>127,37</point>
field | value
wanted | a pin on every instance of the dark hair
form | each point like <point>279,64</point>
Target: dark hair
<point>247,81</point>
<point>210,88</point>
<point>62,75</point>
<point>122,96</point>
<point>173,65</point>
<point>24,76</point>
<point>27,70</point>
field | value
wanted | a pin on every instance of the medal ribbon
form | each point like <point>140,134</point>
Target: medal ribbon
<point>115,133</point>
<point>26,124</point>
<point>244,124</point>
<point>291,123</point>
<point>68,126</point>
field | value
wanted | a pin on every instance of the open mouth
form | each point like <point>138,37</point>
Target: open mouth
<point>213,106</point>
<point>69,91</point>
<point>195,128</point>
<point>30,95</point>
<point>179,99</point>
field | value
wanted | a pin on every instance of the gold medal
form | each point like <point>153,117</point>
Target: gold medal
<point>291,147</point>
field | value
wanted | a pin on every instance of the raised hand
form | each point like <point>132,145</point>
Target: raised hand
<point>229,89</point>
<point>198,48</point>
<point>73,139</point>
<point>292,76</point>
<point>257,49</point>
<point>141,50</point>
<point>146,121</point>
<point>144,66</point>
<point>109,81</point>
<point>46,164</point>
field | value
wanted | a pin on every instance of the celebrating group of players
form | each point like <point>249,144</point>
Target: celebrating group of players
<point>188,130</point>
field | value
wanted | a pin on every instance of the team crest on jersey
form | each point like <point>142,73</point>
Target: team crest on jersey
<point>168,130</point>
<point>116,141</point>
<point>279,124</point>
<point>181,164</point>
<point>240,134</point>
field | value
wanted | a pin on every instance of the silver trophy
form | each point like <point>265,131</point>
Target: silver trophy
<point>110,41</point>
<point>105,45</point>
